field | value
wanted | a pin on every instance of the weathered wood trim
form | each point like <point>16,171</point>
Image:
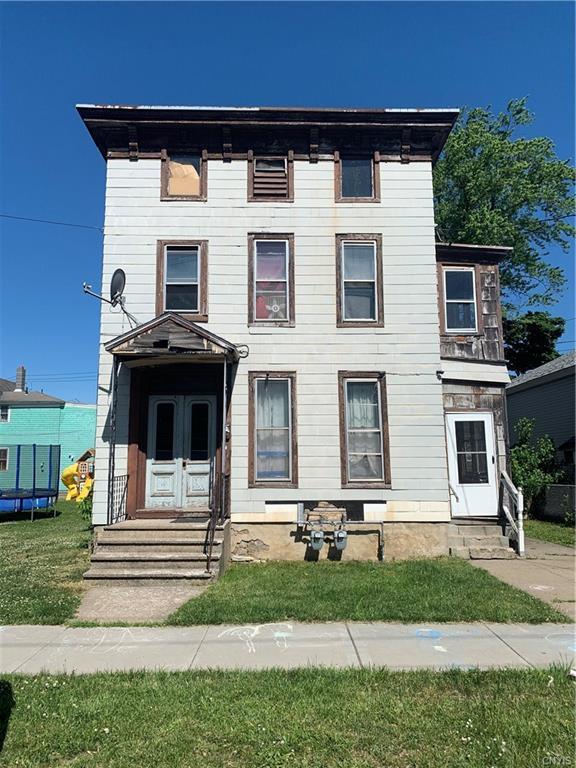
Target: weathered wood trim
<point>252,481</point>
<point>340,321</point>
<point>137,431</point>
<point>376,157</point>
<point>289,198</point>
<point>202,315</point>
<point>202,197</point>
<point>343,376</point>
<point>252,237</point>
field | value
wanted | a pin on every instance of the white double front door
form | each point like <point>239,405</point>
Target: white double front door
<point>472,464</point>
<point>181,446</point>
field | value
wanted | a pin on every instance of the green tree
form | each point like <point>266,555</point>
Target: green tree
<point>530,339</point>
<point>494,188</point>
<point>533,462</point>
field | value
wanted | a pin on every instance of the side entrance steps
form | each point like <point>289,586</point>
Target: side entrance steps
<point>156,551</point>
<point>478,539</point>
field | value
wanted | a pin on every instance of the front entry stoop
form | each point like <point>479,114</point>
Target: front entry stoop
<point>157,552</point>
<point>479,539</point>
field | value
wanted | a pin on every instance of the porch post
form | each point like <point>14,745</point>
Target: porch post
<point>112,443</point>
<point>224,448</point>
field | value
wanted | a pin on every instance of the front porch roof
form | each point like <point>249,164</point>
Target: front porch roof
<point>172,336</point>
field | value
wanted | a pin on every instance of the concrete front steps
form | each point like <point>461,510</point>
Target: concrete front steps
<point>478,540</point>
<point>155,551</point>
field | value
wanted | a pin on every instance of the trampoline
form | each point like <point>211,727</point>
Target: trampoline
<point>31,479</point>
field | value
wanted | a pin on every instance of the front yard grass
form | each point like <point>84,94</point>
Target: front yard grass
<point>445,589</point>
<point>290,719</point>
<point>556,533</point>
<point>41,566</point>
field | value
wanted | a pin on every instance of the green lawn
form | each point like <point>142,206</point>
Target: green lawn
<point>557,533</point>
<point>41,566</point>
<point>446,589</point>
<point>291,719</point>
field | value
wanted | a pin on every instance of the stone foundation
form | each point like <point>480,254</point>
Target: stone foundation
<point>286,541</point>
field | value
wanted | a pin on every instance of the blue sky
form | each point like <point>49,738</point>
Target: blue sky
<point>54,55</point>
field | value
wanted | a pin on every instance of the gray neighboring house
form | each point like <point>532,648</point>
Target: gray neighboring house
<point>547,395</point>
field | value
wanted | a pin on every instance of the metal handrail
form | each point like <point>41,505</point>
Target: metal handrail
<point>515,513</point>
<point>213,519</point>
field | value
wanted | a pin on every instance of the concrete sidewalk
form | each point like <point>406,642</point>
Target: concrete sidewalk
<point>34,649</point>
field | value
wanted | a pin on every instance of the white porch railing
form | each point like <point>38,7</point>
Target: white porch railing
<point>511,511</point>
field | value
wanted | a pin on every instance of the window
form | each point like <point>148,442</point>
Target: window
<point>270,178</point>
<point>273,452</point>
<point>364,430</point>
<point>4,413</point>
<point>4,455</point>
<point>471,453</point>
<point>357,178</point>
<point>182,279</point>
<point>460,300</point>
<point>359,287</point>
<point>271,279</point>
<point>183,177</point>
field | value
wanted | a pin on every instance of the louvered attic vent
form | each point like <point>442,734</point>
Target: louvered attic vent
<point>270,178</point>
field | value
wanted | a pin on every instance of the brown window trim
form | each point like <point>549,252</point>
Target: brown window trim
<point>252,237</point>
<point>338,181</point>
<point>252,481</point>
<point>289,172</point>
<point>441,267</point>
<point>340,321</point>
<point>202,197</point>
<point>343,376</point>
<point>202,315</point>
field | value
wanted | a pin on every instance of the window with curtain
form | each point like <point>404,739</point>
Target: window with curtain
<point>182,278</point>
<point>359,281</point>
<point>356,177</point>
<point>460,300</point>
<point>364,430</point>
<point>270,280</point>
<point>273,426</point>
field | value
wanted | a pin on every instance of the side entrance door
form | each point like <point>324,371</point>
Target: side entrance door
<point>181,447</point>
<point>472,464</point>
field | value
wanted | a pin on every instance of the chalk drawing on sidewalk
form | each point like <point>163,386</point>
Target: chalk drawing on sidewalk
<point>281,632</point>
<point>540,587</point>
<point>566,639</point>
<point>440,648</point>
<point>428,634</point>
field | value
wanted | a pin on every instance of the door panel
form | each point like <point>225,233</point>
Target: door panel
<point>472,464</point>
<point>164,462</point>
<point>200,421</point>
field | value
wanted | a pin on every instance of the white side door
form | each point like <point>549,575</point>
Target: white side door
<point>198,449</point>
<point>164,453</point>
<point>472,464</point>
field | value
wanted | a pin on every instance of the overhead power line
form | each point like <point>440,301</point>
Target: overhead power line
<point>48,221</point>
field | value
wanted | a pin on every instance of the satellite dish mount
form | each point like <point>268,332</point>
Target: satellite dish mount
<point>117,285</point>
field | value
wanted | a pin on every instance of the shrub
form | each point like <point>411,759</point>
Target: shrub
<point>533,462</point>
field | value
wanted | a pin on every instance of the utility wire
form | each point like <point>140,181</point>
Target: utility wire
<point>48,221</point>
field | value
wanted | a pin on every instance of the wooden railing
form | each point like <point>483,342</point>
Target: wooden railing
<point>511,511</point>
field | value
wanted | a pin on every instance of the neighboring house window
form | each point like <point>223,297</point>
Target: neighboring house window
<point>273,451</point>
<point>182,278</point>
<point>270,179</point>
<point>460,300</point>
<point>183,176</point>
<point>4,454</point>
<point>359,289</point>
<point>357,179</point>
<point>364,430</point>
<point>4,413</point>
<point>271,279</point>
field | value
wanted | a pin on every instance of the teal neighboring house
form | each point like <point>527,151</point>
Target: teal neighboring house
<point>28,417</point>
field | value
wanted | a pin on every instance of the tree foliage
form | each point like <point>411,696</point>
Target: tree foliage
<point>493,188</point>
<point>533,462</point>
<point>530,339</point>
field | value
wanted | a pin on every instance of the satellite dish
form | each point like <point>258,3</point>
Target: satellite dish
<point>117,284</point>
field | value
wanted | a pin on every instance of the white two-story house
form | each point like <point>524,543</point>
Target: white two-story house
<point>298,335</point>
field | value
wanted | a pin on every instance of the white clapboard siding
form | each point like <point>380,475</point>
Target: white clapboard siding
<point>407,348</point>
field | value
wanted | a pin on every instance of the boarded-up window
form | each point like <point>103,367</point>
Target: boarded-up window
<point>183,176</point>
<point>4,459</point>
<point>269,179</point>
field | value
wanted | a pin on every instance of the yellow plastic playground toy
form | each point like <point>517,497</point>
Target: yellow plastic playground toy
<point>79,477</point>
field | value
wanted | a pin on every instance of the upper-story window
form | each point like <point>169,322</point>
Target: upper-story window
<point>183,176</point>
<point>359,289</point>
<point>270,179</point>
<point>271,279</point>
<point>4,413</point>
<point>460,300</point>
<point>357,178</point>
<point>182,278</point>
<point>4,458</point>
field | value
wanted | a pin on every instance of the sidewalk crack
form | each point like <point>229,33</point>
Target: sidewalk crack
<point>200,644</point>
<point>354,645</point>
<point>503,640</point>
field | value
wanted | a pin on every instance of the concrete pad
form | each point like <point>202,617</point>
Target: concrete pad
<point>278,644</point>
<point>431,646</point>
<point>97,649</point>
<point>20,643</point>
<point>134,604</point>
<point>539,644</point>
